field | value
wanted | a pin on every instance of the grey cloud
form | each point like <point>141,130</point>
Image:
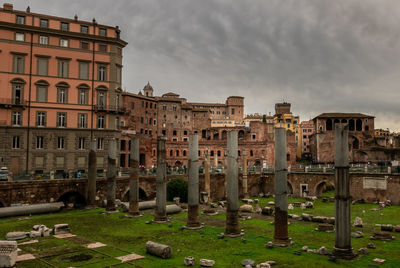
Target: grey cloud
<point>320,55</point>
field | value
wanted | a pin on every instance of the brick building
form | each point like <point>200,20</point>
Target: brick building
<point>177,118</point>
<point>306,130</point>
<point>60,82</point>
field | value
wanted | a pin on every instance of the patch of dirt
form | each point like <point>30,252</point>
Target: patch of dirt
<point>78,240</point>
<point>78,258</point>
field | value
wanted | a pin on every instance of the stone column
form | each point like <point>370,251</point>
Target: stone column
<point>245,189</point>
<point>207,182</point>
<point>342,247</point>
<point>161,180</point>
<point>111,174</point>
<point>91,191</point>
<point>281,237</point>
<point>193,185</point>
<point>134,178</point>
<point>215,159</point>
<point>232,185</point>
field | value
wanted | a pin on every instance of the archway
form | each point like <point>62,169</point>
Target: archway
<point>142,196</point>
<point>344,121</point>
<point>359,125</point>
<point>351,125</point>
<point>324,188</point>
<point>216,136</point>
<point>289,188</point>
<point>178,164</point>
<point>257,163</point>
<point>356,143</point>
<point>329,124</point>
<point>74,198</point>
<point>241,135</point>
<point>142,159</point>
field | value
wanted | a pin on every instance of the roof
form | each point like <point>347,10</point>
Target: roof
<point>344,115</point>
<point>170,94</point>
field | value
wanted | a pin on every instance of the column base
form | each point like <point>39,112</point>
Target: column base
<point>282,243</point>
<point>344,253</point>
<point>194,227</point>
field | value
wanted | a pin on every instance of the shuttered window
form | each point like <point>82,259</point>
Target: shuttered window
<point>84,70</point>
<point>19,64</point>
<point>63,68</point>
<point>42,66</point>
<point>41,94</point>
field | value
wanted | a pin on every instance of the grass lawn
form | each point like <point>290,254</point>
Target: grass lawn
<point>124,236</point>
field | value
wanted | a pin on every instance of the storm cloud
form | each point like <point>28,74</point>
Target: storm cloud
<point>320,55</point>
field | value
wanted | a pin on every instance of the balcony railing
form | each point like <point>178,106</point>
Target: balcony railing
<point>12,102</point>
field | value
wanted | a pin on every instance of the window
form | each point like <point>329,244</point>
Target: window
<point>174,108</point>
<point>62,95</point>
<point>117,123</point>
<point>119,75</point>
<point>61,119</point>
<point>132,105</point>
<point>164,107</point>
<point>42,66</point>
<point>60,143</point>
<point>63,42</point>
<point>40,119</point>
<point>82,120</point>
<point>20,19</point>
<point>44,23</point>
<point>84,29</point>
<point>84,70</point>
<point>100,121</point>
<point>146,120</point>
<point>17,93</point>
<point>101,98</point>
<point>39,142</point>
<point>84,45</point>
<point>102,32</point>
<point>19,64</point>
<point>63,68</point>
<point>83,96</point>
<point>15,142</point>
<point>43,40</point>
<point>174,132</point>
<point>100,143</point>
<point>19,37</point>
<point>102,48</point>
<point>185,132</point>
<point>64,26</point>
<point>81,143</point>
<point>233,111</point>
<point>164,132</point>
<point>102,73</point>
<point>16,118</point>
<point>117,100</point>
<point>141,120</point>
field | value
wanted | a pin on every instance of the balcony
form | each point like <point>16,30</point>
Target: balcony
<point>110,109</point>
<point>9,103</point>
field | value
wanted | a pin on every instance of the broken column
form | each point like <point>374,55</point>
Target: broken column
<point>161,181</point>
<point>232,185</point>
<point>193,185</point>
<point>207,182</point>
<point>91,190</point>
<point>342,247</point>
<point>111,174</point>
<point>281,237</point>
<point>134,178</point>
<point>244,181</point>
<point>8,253</point>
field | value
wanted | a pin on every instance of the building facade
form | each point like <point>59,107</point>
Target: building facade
<point>60,82</point>
<point>306,130</point>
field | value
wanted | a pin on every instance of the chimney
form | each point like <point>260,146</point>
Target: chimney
<point>8,6</point>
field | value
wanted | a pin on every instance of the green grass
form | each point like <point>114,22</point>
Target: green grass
<point>123,236</point>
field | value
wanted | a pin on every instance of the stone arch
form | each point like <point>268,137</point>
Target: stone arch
<point>216,136</point>
<point>241,134</point>
<point>257,163</point>
<point>289,188</point>
<point>224,134</point>
<point>336,121</point>
<point>322,187</point>
<point>358,125</point>
<point>344,121</point>
<point>142,195</point>
<point>73,197</point>
<point>329,124</point>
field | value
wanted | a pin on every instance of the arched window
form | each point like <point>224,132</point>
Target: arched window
<point>177,152</point>
<point>351,125</point>
<point>218,153</point>
<point>184,152</point>
<point>241,134</point>
<point>336,121</point>
<point>251,152</point>
<point>344,121</point>
<point>329,124</point>
<point>171,153</point>
<point>359,125</point>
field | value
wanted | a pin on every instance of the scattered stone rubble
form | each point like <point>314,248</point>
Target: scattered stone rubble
<point>206,263</point>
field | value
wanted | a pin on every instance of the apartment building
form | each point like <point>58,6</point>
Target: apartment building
<point>60,88</point>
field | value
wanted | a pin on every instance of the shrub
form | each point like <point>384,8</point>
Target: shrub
<point>177,188</point>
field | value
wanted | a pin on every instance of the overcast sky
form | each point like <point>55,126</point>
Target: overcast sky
<point>319,55</point>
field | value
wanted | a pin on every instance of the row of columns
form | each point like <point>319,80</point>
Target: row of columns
<point>342,247</point>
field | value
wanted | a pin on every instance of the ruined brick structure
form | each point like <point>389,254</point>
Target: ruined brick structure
<point>174,117</point>
<point>364,146</point>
